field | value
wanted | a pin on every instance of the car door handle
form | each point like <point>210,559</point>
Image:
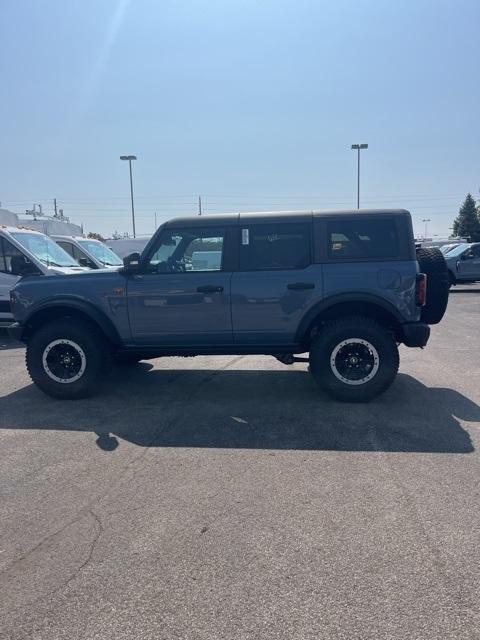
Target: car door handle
<point>300,286</point>
<point>209,288</point>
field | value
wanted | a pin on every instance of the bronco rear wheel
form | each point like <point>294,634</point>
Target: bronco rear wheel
<point>354,359</point>
<point>65,359</point>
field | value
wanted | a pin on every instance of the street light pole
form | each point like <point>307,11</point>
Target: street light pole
<point>358,147</point>
<point>130,158</point>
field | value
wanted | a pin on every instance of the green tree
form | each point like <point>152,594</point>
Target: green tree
<point>467,223</point>
<point>96,236</point>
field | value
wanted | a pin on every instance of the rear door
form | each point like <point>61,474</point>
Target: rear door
<point>178,301</point>
<point>276,282</point>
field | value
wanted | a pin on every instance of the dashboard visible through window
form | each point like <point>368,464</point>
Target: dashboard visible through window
<point>185,250</point>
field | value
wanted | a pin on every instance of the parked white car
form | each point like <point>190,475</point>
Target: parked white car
<point>25,252</point>
<point>89,252</point>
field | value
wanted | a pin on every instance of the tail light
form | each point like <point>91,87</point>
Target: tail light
<point>421,290</point>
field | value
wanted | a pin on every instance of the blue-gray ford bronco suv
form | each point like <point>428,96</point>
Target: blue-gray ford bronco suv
<point>345,287</point>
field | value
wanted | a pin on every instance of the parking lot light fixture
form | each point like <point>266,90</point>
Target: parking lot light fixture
<point>358,147</point>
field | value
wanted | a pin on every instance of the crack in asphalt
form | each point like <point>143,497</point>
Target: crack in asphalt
<point>98,529</point>
<point>88,509</point>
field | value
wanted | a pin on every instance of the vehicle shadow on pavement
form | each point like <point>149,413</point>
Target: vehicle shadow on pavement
<point>7,343</point>
<point>464,290</point>
<point>250,409</point>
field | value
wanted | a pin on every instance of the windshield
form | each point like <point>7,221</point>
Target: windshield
<point>447,248</point>
<point>101,252</point>
<point>45,249</point>
<point>457,250</point>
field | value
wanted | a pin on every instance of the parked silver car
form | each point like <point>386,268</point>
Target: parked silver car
<point>463,263</point>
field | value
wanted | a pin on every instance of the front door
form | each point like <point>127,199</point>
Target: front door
<point>182,295</point>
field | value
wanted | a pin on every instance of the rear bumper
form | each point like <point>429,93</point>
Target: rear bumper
<point>415,334</point>
<point>15,331</point>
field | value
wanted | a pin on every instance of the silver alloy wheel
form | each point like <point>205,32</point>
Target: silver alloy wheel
<point>64,361</point>
<point>354,361</point>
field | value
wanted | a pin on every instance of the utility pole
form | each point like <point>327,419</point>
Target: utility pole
<point>55,206</point>
<point>358,147</point>
<point>199,205</point>
<point>155,215</point>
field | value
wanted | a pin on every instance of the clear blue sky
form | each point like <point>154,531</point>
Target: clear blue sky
<point>253,104</point>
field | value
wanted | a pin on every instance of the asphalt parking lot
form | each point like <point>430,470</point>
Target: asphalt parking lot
<point>227,498</point>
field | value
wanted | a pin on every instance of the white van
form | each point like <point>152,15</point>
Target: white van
<point>89,252</point>
<point>25,252</point>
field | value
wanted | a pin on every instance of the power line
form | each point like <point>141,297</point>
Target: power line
<point>194,198</point>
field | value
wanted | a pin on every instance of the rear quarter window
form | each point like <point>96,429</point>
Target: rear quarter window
<point>362,239</point>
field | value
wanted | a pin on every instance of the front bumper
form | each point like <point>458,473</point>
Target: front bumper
<point>415,334</point>
<point>15,331</point>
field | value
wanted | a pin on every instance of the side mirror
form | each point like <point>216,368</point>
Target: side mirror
<point>468,255</point>
<point>83,262</point>
<point>20,266</point>
<point>131,262</point>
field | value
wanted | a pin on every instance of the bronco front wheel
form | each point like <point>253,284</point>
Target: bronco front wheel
<point>354,359</point>
<point>65,359</point>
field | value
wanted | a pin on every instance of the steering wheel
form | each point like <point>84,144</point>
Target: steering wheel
<point>176,266</point>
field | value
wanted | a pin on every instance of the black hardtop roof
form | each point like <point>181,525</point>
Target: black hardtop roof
<point>267,216</point>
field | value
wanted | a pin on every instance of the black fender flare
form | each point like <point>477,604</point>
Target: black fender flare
<point>332,301</point>
<point>77,304</point>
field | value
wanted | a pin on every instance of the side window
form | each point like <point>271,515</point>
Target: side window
<point>267,247</point>
<point>3,264</point>
<point>9,258</point>
<point>82,258</point>
<point>77,254</point>
<point>67,246</point>
<point>185,250</point>
<point>353,239</point>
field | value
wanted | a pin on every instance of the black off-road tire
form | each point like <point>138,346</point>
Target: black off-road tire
<point>334,334</point>
<point>94,345</point>
<point>432,263</point>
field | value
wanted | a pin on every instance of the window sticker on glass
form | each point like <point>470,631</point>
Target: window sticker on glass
<point>245,237</point>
